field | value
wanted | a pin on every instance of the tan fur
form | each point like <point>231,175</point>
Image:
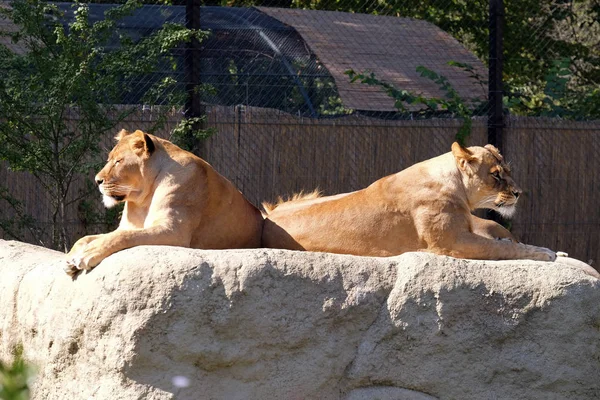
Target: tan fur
<point>171,197</point>
<point>296,197</point>
<point>426,207</point>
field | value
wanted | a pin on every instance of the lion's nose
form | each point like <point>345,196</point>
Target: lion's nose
<point>99,181</point>
<point>517,193</point>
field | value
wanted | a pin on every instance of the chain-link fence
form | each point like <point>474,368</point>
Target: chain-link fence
<point>335,94</point>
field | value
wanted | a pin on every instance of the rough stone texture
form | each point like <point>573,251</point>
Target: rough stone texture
<point>273,324</point>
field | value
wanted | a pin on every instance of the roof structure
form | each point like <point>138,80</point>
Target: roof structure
<point>248,58</point>
<point>295,60</point>
<point>390,47</point>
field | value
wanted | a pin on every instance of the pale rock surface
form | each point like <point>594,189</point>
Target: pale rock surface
<point>273,324</point>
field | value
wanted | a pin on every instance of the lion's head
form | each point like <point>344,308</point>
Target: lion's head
<point>123,176</point>
<point>487,178</point>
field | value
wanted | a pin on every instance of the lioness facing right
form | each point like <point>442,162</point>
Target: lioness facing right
<point>426,207</point>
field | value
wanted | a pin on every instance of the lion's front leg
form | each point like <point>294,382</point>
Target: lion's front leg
<point>82,243</point>
<point>470,245</point>
<point>490,229</point>
<point>89,255</point>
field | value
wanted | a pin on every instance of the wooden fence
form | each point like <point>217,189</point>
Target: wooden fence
<point>268,154</point>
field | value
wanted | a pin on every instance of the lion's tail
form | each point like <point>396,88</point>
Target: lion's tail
<point>300,196</point>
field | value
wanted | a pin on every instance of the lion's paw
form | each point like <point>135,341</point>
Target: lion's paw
<point>75,263</point>
<point>544,254</point>
<point>85,258</point>
<point>71,269</point>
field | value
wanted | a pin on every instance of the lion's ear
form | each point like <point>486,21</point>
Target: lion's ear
<point>143,144</point>
<point>463,156</point>
<point>122,133</point>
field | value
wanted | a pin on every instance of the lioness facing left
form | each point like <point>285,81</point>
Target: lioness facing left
<point>426,207</point>
<point>171,198</point>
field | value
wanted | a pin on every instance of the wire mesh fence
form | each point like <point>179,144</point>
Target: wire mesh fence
<point>328,94</point>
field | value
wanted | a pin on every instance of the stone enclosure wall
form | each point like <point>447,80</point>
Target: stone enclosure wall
<point>157,322</point>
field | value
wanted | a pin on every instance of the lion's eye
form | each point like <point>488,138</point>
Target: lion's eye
<point>118,161</point>
<point>496,175</point>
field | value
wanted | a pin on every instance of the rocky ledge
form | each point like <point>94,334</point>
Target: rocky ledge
<point>157,322</point>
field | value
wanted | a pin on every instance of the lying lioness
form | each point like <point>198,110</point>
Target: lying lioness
<point>171,197</point>
<point>426,207</point>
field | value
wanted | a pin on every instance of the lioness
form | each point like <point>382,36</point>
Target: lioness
<point>171,197</point>
<point>426,207</point>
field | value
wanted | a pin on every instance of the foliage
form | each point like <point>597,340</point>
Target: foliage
<point>330,102</point>
<point>51,69</point>
<point>188,132</point>
<point>17,222</point>
<point>556,96</point>
<point>93,219</point>
<point>420,106</point>
<point>537,35</point>
<point>15,378</point>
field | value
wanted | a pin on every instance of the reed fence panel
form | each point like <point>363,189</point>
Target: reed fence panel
<point>267,154</point>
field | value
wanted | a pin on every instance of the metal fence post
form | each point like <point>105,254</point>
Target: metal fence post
<point>193,106</point>
<point>495,107</point>
<point>495,114</point>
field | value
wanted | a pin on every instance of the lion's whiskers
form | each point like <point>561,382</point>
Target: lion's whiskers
<point>486,201</point>
<point>117,187</point>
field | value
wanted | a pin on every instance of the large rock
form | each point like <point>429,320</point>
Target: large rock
<point>164,322</point>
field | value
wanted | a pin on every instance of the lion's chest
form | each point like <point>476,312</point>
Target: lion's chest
<point>134,217</point>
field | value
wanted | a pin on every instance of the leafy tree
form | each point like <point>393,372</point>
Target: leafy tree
<point>15,377</point>
<point>50,69</point>
<point>419,106</point>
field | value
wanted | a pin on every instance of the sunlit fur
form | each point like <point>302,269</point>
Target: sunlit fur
<point>171,197</point>
<point>426,207</point>
<point>506,211</point>
<point>113,194</point>
<point>109,202</point>
<point>502,192</point>
<point>295,198</point>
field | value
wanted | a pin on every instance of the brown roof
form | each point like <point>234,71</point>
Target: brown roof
<point>391,47</point>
